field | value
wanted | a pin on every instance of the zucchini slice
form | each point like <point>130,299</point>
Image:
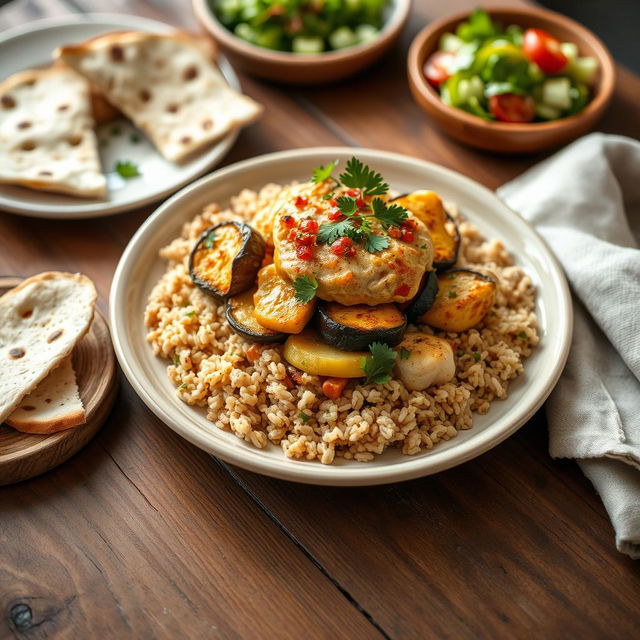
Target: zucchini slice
<point>275,303</point>
<point>425,299</point>
<point>226,258</point>
<point>464,298</point>
<point>309,353</point>
<point>354,328</point>
<point>428,208</point>
<point>240,314</point>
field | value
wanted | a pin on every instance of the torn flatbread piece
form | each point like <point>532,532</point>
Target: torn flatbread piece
<point>53,406</point>
<point>41,321</point>
<point>166,84</point>
<point>47,140</point>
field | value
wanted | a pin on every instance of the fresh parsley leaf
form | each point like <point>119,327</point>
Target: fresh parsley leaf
<point>452,294</point>
<point>304,417</point>
<point>405,354</point>
<point>347,205</point>
<point>176,359</point>
<point>522,334</point>
<point>377,367</point>
<point>329,232</point>
<point>320,174</point>
<point>127,169</point>
<point>305,287</point>
<point>183,386</point>
<point>210,240</point>
<point>476,356</point>
<point>134,138</point>
<point>388,216</point>
<point>375,243</point>
<point>359,176</point>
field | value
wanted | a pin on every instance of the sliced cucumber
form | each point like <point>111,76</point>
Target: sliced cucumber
<point>307,44</point>
<point>570,50</point>
<point>450,42</point>
<point>546,112</point>
<point>342,37</point>
<point>366,33</point>
<point>556,92</point>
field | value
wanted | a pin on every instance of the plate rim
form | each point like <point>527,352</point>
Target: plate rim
<point>312,473</point>
<point>103,209</point>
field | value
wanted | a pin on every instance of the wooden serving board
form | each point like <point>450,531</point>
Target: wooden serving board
<point>24,455</point>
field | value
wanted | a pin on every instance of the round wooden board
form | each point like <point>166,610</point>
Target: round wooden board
<point>24,455</point>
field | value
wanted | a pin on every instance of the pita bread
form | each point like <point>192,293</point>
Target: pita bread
<point>53,406</point>
<point>41,320</point>
<point>46,133</point>
<point>166,84</point>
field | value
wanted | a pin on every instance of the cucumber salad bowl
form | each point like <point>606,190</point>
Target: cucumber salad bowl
<point>303,41</point>
<point>515,80</point>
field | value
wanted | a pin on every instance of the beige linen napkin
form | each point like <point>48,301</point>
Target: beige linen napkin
<point>585,202</point>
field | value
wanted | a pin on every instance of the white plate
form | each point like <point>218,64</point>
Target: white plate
<point>31,45</point>
<point>140,267</point>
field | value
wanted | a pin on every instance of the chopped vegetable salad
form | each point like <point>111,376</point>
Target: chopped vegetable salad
<point>510,74</point>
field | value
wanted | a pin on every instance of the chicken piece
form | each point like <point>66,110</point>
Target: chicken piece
<point>424,361</point>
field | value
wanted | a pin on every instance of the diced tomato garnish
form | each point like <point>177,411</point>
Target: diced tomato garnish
<point>402,290</point>
<point>511,107</point>
<point>360,202</point>
<point>335,215</point>
<point>333,202</point>
<point>407,236</point>
<point>438,66</point>
<point>409,224</point>
<point>309,226</point>
<point>305,239</point>
<point>304,252</point>
<point>292,234</point>
<point>288,221</point>
<point>543,49</point>
<point>354,193</point>
<point>302,201</point>
<point>342,246</point>
<point>394,232</point>
<point>349,252</point>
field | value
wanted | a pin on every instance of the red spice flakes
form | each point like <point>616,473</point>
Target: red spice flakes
<point>309,226</point>
<point>402,290</point>
<point>301,201</point>
<point>304,252</point>
<point>288,221</point>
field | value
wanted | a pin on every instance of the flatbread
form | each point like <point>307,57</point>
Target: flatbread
<point>54,405</point>
<point>46,133</point>
<point>166,84</point>
<point>41,321</point>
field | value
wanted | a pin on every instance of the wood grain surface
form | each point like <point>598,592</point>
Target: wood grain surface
<point>144,536</point>
<point>24,455</point>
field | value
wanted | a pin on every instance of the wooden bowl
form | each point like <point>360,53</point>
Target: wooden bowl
<point>295,68</point>
<point>507,137</point>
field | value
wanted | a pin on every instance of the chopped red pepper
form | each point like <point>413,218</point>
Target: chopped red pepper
<point>407,236</point>
<point>292,234</point>
<point>394,232</point>
<point>333,202</point>
<point>402,290</point>
<point>354,193</point>
<point>361,203</point>
<point>309,226</point>
<point>409,225</point>
<point>304,252</point>
<point>305,239</point>
<point>335,215</point>
<point>342,246</point>
<point>288,221</point>
<point>302,201</point>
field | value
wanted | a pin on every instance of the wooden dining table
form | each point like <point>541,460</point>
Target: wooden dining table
<point>143,535</point>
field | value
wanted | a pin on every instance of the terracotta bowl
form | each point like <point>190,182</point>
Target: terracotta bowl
<point>294,68</point>
<point>506,137</point>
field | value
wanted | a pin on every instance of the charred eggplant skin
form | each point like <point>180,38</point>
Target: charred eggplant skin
<point>355,327</point>
<point>244,264</point>
<point>239,311</point>
<point>425,299</point>
<point>428,208</point>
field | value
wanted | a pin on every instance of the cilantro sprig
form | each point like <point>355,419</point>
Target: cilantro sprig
<point>127,169</point>
<point>322,173</point>
<point>359,176</point>
<point>305,287</point>
<point>377,367</point>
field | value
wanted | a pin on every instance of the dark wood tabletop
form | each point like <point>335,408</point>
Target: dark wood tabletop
<point>143,535</point>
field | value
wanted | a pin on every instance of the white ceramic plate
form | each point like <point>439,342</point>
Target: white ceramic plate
<point>31,46</point>
<point>140,268</point>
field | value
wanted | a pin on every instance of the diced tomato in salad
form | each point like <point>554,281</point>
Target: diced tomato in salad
<point>437,68</point>
<point>545,50</point>
<point>511,107</point>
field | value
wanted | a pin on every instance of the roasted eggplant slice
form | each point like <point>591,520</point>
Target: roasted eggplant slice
<point>354,328</point>
<point>308,352</point>
<point>464,298</point>
<point>241,317</point>
<point>226,258</point>
<point>275,303</point>
<point>428,208</point>
<point>425,298</point>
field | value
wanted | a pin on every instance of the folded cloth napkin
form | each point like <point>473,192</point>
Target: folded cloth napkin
<point>585,202</point>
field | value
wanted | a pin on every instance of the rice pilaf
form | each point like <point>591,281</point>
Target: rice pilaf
<point>250,390</point>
